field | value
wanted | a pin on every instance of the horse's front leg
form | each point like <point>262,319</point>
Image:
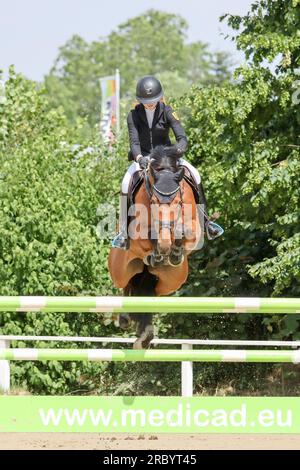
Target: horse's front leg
<point>170,278</point>
<point>123,266</point>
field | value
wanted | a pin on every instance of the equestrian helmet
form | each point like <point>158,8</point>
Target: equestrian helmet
<point>148,90</point>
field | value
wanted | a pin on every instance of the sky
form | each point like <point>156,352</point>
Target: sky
<point>31,31</point>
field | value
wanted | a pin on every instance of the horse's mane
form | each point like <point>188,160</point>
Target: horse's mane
<point>164,158</point>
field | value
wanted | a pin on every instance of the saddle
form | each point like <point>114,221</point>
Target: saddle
<point>137,180</point>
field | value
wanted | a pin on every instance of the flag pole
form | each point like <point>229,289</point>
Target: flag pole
<point>118,100</point>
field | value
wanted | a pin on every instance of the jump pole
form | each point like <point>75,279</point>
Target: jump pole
<point>150,355</point>
<point>150,304</point>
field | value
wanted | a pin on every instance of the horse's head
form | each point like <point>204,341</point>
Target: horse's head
<point>164,178</point>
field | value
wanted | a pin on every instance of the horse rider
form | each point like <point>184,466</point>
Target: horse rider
<point>149,124</point>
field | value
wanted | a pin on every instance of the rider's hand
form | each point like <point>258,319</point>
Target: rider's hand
<point>143,162</point>
<point>179,149</point>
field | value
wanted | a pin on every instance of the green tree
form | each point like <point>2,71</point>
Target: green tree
<point>244,137</point>
<point>73,82</point>
<point>222,65</point>
<point>151,43</point>
<point>147,44</point>
<point>50,191</point>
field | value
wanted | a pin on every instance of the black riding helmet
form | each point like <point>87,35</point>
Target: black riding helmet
<point>148,90</point>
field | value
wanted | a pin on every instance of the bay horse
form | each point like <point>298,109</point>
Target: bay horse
<point>164,229</point>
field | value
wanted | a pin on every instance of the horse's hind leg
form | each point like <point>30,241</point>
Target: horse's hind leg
<point>144,331</point>
<point>143,285</point>
<point>133,271</point>
<point>125,319</point>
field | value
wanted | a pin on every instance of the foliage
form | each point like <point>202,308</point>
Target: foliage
<point>244,137</point>
<point>151,43</point>
<point>50,189</point>
<point>73,82</point>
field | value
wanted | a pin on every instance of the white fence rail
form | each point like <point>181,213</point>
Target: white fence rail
<point>186,366</point>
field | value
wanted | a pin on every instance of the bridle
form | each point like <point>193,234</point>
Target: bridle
<point>157,258</point>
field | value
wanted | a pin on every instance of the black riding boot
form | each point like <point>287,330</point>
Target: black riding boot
<point>121,240</point>
<point>212,229</point>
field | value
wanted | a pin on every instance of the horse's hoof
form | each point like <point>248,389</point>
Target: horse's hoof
<point>124,321</point>
<point>137,344</point>
<point>176,261</point>
<point>146,260</point>
<point>143,342</point>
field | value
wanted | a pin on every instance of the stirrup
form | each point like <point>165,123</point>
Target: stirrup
<point>213,230</point>
<point>120,241</point>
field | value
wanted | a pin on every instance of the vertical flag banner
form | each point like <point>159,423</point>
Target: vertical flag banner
<point>109,106</point>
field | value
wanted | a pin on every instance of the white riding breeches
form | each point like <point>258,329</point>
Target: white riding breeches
<point>136,167</point>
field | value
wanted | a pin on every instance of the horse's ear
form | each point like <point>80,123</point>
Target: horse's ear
<point>179,174</point>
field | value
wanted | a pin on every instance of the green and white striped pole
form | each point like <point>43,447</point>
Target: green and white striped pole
<point>151,355</point>
<point>150,304</point>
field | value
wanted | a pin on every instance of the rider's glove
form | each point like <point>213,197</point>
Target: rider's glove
<point>143,162</point>
<point>179,149</point>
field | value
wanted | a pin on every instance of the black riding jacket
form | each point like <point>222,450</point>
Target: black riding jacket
<point>143,139</point>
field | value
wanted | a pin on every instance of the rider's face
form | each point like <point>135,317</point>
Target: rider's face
<point>151,106</point>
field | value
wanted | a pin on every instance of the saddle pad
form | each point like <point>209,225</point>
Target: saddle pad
<point>189,178</point>
<point>135,182</point>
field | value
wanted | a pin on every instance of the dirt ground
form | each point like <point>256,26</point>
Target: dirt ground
<point>64,441</point>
